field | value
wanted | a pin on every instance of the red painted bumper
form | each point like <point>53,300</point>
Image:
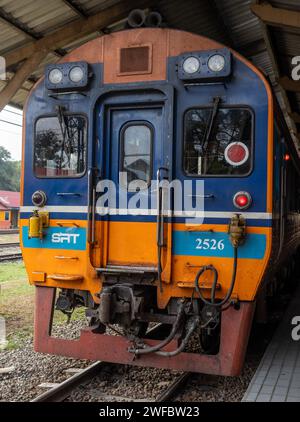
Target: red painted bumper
<point>235,329</point>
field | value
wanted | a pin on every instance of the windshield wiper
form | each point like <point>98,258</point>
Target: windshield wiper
<point>64,128</point>
<point>216,103</point>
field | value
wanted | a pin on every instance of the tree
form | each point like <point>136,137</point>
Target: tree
<point>10,171</point>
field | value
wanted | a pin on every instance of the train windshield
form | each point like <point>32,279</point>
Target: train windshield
<point>60,146</point>
<point>227,149</point>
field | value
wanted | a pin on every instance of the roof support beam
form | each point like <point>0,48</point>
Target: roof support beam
<point>20,77</point>
<point>17,25</point>
<point>76,8</point>
<point>281,91</point>
<point>23,29</point>
<point>76,29</point>
<point>276,16</point>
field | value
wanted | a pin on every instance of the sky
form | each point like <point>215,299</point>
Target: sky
<point>11,131</point>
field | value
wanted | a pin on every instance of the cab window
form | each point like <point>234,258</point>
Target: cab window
<point>60,146</point>
<point>218,144</point>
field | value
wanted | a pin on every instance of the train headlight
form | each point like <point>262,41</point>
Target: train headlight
<point>216,63</point>
<point>191,65</point>
<point>67,76</point>
<point>55,76</point>
<point>206,66</point>
<point>39,198</point>
<point>76,74</point>
<point>242,200</point>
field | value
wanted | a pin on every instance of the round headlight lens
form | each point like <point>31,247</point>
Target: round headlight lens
<point>216,63</point>
<point>191,65</point>
<point>39,198</point>
<point>76,74</point>
<point>55,76</point>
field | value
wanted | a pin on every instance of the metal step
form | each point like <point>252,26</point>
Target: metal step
<point>126,269</point>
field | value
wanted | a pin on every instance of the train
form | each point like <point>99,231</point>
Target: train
<point>159,191</point>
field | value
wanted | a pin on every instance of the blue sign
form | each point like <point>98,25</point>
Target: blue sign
<point>72,238</point>
<point>217,245</point>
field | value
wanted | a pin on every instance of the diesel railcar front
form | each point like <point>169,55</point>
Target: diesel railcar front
<point>154,190</point>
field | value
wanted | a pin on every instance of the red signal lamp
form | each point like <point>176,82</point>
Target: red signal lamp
<point>242,200</point>
<point>236,153</point>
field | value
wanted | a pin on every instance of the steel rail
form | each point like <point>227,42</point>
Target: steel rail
<point>9,231</point>
<point>10,257</point>
<point>9,245</point>
<point>173,388</point>
<point>63,390</point>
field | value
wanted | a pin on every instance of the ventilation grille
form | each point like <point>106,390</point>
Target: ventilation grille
<point>135,60</point>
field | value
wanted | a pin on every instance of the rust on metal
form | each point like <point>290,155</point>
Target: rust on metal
<point>235,328</point>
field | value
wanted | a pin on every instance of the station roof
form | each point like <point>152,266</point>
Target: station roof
<point>37,32</point>
<point>9,200</point>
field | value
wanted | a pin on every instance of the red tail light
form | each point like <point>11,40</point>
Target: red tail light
<point>242,200</point>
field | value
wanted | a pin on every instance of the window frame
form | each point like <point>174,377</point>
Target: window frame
<point>122,150</point>
<point>251,150</point>
<point>78,176</point>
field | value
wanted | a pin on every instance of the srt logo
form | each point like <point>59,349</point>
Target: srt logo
<point>64,238</point>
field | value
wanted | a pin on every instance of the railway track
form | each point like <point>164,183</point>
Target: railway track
<point>60,392</point>
<point>9,245</point>
<point>9,231</point>
<point>10,257</point>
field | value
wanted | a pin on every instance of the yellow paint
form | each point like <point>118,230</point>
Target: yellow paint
<point>72,265</point>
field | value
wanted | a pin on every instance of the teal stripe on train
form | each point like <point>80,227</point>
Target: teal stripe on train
<point>184,242</point>
<point>217,245</point>
<point>71,238</point>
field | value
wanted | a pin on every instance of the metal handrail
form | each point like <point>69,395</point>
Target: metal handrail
<point>159,223</point>
<point>89,198</point>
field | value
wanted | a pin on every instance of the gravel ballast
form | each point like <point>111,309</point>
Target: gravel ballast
<point>32,369</point>
<point>114,383</point>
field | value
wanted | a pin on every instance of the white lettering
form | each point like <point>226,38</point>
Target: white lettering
<point>296,69</point>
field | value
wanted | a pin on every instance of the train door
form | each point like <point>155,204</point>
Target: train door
<point>133,232</point>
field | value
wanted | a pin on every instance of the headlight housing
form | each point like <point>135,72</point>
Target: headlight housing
<point>67,76</point>
<point>39,198</point>
<point>206,66</point>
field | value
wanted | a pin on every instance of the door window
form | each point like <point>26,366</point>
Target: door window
<point>136,152</point>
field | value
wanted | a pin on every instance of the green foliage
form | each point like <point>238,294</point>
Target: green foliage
<point>10,172</point>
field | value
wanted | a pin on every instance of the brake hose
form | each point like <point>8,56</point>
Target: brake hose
<point>157,347</point>
<point>191,326</point>
<point>214,285</point>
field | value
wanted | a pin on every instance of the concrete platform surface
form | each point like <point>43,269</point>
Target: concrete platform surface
<point>277,378</point>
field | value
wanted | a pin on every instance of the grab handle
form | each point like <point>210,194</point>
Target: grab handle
<point>160,222</point>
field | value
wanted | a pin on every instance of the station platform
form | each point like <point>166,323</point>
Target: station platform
<point>277,378</point>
